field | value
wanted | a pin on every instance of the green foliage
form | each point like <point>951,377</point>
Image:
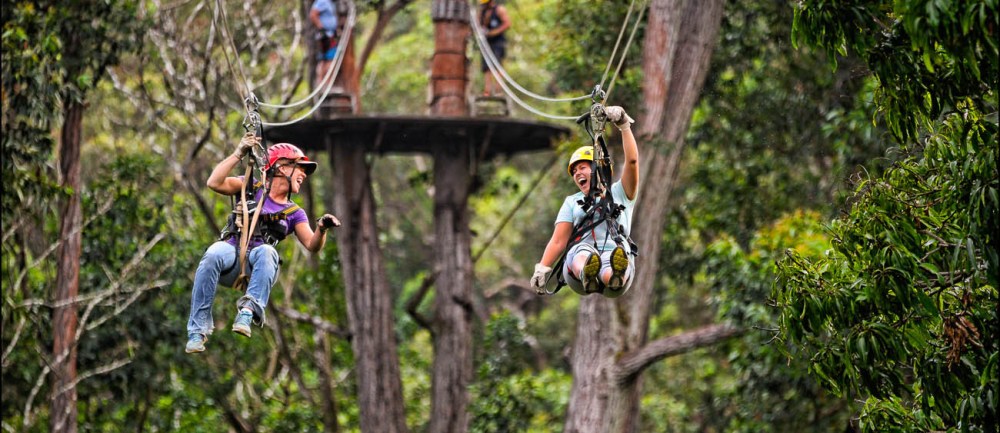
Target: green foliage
<point>582,40</point>
<point>507,396</point>
<point>902,310</point>
<point>928,55</point>
<point>503,404</point>
<point>395,84</point>
<point>774,136</point>
<point>905,303</point>
<point>31,86</point>
<point>773,386</point>
<point>777,131</point>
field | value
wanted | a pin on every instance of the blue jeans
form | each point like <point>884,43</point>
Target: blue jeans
<point>219,266</point>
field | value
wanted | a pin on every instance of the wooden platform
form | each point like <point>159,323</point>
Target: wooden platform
<point>489,136</point>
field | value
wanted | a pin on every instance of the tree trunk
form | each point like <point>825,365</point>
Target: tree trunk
<point>64,319</point>
<point>453,313</point>
<point>369,300</point>
<point>678,45</point>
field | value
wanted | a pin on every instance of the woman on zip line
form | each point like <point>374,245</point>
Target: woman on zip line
<point>596,262</point>
<point>287,168</point>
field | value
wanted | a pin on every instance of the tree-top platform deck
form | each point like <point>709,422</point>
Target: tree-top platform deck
<point>489,136</point>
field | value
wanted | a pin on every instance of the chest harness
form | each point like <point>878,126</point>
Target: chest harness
<point>269,228</point>
<point>599,204</point>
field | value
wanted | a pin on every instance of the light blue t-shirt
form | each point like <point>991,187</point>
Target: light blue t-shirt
<point>572,212</point>
<point>327,15</point>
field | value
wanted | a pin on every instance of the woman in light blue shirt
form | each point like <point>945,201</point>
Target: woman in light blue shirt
<point>597,262</point>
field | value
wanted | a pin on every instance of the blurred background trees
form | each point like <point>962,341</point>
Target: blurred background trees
<point>836,201</point>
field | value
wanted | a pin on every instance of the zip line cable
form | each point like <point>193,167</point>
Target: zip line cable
<point>481,41</point>
<point>348,29</point>
<point>503,78</point>
<point>251,100</point>
<point>329,76</point>
<point>618,41</point>
<point>224,30</point>
<point>621,59</point>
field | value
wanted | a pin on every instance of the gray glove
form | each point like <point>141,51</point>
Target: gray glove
<point>327,222</point>
<point>247,143</point>
<point>618,116</point>
<point>540,277</point>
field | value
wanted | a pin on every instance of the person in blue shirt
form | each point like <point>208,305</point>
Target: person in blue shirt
<point>323,15</point>
<point>595,263</point>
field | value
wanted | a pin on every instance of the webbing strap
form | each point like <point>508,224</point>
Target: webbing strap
<point>243,279</point>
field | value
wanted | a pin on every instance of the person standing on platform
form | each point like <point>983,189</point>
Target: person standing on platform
<point>493,19</point>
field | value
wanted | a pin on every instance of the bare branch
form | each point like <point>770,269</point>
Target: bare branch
<point>13,341</point>
<point>413,304</point>
<point>31,396</point>
<point>634,362</point>
<point>316,321</point>
<point>384,16</point>
<point>55,246</point>
<point>90,373</point>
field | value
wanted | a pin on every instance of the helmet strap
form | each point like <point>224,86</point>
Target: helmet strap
<point>275,170</point>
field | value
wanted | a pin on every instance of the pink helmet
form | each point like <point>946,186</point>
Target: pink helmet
<point>289,151</point>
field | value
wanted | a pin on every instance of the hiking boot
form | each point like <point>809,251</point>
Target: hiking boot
<point>242,324</point>
<point>196,343</point>
<point>590,271</point>
<point>619,264</point>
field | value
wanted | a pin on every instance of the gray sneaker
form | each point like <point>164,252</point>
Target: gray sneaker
<point>242,323</point>
<point>196,343</point>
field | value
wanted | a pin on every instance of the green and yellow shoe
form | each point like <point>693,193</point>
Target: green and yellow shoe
<point>619,264</point>
<point>590,280</point>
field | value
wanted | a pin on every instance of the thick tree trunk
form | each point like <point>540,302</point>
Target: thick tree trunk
<point>453,314</point>
<point>64,319</point>
<point>678,45</point>
<point>369,300</point>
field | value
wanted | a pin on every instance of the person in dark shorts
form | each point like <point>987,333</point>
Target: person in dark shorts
<point>494,21</point>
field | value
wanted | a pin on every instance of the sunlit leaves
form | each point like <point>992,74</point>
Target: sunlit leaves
<point>906,311</point>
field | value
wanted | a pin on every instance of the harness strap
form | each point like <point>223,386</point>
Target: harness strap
<point>243,279</point>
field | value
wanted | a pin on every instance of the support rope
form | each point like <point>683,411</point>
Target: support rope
<point>330,75</point>
<point>348,30</point>
<point>524,198</point>
<point>503,78</point>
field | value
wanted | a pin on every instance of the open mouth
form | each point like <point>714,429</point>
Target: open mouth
<point>582,181</point>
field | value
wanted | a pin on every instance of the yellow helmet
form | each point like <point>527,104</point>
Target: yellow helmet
<point>584,153</point>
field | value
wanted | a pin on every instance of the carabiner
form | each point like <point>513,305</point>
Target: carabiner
<point>251,122</point>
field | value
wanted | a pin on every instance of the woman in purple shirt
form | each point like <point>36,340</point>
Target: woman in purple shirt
<point>287,168</point>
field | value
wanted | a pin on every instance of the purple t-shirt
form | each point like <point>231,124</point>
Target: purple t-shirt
<point>271,207</point>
